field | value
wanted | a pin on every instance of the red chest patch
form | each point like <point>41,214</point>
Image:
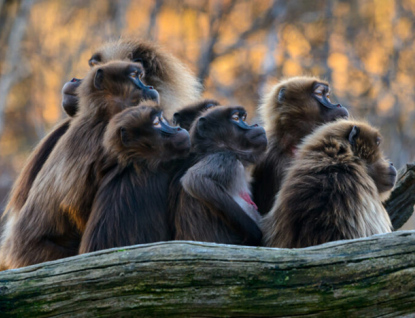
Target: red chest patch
<point>247,198</point>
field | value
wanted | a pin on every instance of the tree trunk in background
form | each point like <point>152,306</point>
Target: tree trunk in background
<point>10,71</point>
<point>400,204</point>
<point>368,277</point>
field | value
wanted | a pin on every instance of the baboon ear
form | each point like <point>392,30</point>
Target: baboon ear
<point>123,135</point>
<point>176,117</point>
<point>201,125</point>
<point>353,135</point>
<point>281,94</point>
<point>99,78</point>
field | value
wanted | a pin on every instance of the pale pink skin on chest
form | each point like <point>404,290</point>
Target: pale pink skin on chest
<point>247,198</point>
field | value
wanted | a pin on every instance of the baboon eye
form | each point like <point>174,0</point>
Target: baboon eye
<point>378,141</point>
<point>156,122</point>
<point>134,74</point>
<point>319,91</point>
<point>235,117</point>
<point>244,117</point>
<point>328,96</point>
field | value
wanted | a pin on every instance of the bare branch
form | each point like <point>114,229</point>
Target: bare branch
<point>1,5</point>
<point>277,8</point>
<point>120,11</point>
<point>207,55</point>
<point>153,18</point>
<point>269,65</point>
<point>12,60</point>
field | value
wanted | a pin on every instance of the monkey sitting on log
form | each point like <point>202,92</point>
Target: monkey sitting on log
<point>212,202</point>
<point>334,189</point>
<point>131,204</point>
<point>171,78</point>
<point>54,216</point>
<point>290,111</point>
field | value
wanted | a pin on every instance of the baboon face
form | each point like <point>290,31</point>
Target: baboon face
<point>145,133</point>
<point>328,110</point>
<point>185,117</point>
<point>120,51</point>
<point>226,127</point>
<point>365,142</point>
<point>308,100</point>
<point>118,83</point>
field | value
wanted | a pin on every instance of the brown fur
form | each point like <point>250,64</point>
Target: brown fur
<point>34,163</point>
<point>172,79</point>
<point>206,195</point>
<point>289,113</point>
<point>176,85</point>
<point>131,203</point>
<point>186,116</point>
<point>328,193</point>
<point>54,216</point>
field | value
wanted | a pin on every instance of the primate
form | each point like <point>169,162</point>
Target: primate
<point>175,83</point>
<point>131,204</point>
<point>173,80</point>
<point>168,75</point>
<point>290,111</point>
<point>333,190</point>
<point>54,216</point>
<point>188,114</point>
<point>211,202</point>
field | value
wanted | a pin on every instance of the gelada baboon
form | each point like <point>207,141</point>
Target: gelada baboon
<point>173,80</point>
<point>189,113</point>
<point>54,216</point>
<point>290,111</point>
<point>169,76</point>
<point>131,204</point>
<point>334,189</point>
<point>212,202</point>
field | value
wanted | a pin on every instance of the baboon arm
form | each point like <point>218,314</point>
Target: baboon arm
<point>34,164</point>
<point>207,183</point>
<point>109,224</point>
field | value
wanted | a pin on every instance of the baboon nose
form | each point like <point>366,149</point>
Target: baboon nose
<point>338,105</point>
<point>391,163</point>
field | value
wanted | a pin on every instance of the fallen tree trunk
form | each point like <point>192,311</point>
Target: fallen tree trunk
<point>400,205</point>
<point>368,277</point>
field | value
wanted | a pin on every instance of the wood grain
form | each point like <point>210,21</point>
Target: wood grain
<point>368,277</point>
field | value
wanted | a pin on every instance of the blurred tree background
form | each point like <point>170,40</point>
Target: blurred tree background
<point>364,48</point>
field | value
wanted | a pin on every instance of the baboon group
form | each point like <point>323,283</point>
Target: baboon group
<point>142,158</point>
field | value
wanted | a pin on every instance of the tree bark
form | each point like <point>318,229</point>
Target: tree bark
<point>11,72</point>
<point>400,204</point>
<point>369,277</point>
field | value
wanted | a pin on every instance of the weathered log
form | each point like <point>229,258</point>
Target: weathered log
<point>400,204</point>
<point>368,277</point>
